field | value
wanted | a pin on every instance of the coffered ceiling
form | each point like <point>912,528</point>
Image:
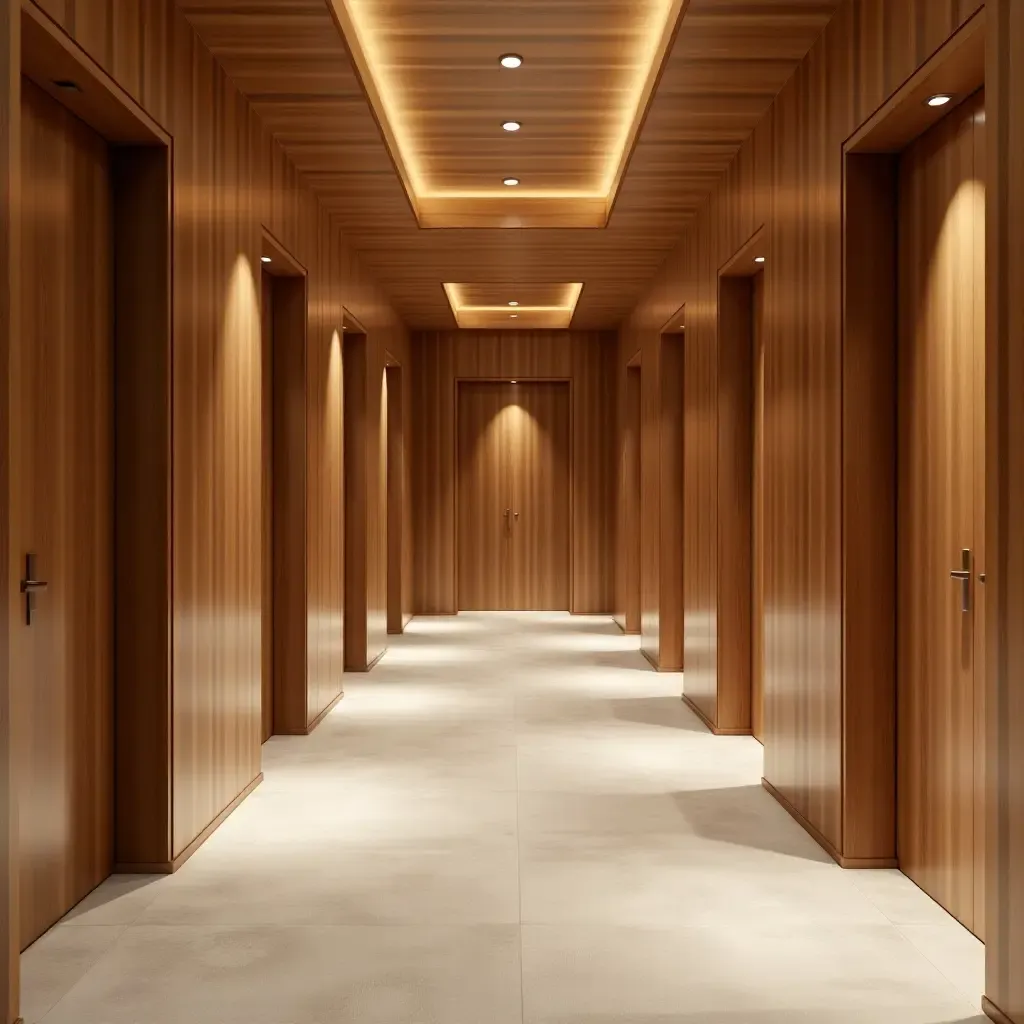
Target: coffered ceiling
<point>629,112</point>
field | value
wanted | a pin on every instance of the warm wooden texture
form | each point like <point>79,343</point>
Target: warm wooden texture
<point>397,501</point>
<point>441,359</point>
<point>940,509</point>
<point>540,460</point>
<point>142,439</point>
<point>788,177</point>
<point>1004,587</point>
<point>219,141</point>
<point>62,455</point>
<point>484,484</point>
<point>869,369</point>
<point>10,329</point>
<point>366,514</point>
<point>288,424</point>
<point>757,513</point>
<point>627,525</point>
<point>267,489</point>
<point>735,521</point>
<point>727,64</point>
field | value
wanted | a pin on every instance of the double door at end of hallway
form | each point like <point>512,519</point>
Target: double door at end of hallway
<point>514,454</point>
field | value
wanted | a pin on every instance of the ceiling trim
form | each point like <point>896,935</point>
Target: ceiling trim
<point>437,207</point>
<point>514,317</point>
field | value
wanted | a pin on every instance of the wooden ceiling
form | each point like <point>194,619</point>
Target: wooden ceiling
<point>437,66</point>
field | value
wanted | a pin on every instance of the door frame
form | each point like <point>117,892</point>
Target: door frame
<point>869,429</point>
<point>141,153</point>
<point>520,379</point>
<point>287,491</point>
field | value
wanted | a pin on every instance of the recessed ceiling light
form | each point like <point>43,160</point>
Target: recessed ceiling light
<point>511,126</point>
<point>513,382</point>
<point>511,181</point>
<point>759,259</point>
<point>513,316</point>
<point>513,303</point>
<point>939,100</point>
<point>265,259</point>
<point>67,85</point>
<point>510,60</point>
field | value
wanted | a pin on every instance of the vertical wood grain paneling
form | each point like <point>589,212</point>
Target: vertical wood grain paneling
<point>628,513</point>
<point>62,458</point>
<point>788,176</point>
<point>484,487</point>
<point>757,517</point>
<point>267,486</point>
<point>540,457</point>
<point>288,468</point>
<point>941,366</point>
<point>441,359</point>
<point>1004,588</point>
<point>398,539</point>
<point>10,325</point>
<point>670,501</point>
<point>230,182</point>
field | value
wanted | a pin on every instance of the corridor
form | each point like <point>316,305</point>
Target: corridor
<point>512,819</point>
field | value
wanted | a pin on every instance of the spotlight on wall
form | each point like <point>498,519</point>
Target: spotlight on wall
<point>266,259</point>
<point>939,99</point>
<point>510,60</point>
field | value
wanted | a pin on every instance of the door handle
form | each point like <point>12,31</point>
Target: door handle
<point>963,577</point>
<point>29,585</point>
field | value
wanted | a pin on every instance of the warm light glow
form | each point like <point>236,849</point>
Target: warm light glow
<point>266,259</point>
<point>513,382</point>
<point>939,100</point>
<point>759,259</point>
<point>511,181</point>
<point>362,23</point>
<point>563,311</point>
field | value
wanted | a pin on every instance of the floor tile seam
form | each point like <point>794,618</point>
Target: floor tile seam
<point>974,1001</point>
<point>108,952</point>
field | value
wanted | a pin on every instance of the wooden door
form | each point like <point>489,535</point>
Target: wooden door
<point>757,516</point>
<point>485,500</point>
<point>941,511</point>
<point>540,456</point>
<point>62,513</point>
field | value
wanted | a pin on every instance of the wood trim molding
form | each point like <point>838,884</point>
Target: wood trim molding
<point>712,728</point>
<point>168,867</point>
<point>323,714</point>
<point>843,862</point>
<point>48,54</point>
<point>993,1011</point>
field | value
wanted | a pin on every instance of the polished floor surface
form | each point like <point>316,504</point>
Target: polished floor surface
<point>511,819</point>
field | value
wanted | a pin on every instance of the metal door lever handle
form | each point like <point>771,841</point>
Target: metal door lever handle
<point>963,577</point>
<point>29,585</point>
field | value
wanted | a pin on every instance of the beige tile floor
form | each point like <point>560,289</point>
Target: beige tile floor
<point>512,819</point>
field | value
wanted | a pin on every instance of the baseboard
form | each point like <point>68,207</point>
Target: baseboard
<point>875,863</point>
<point>650,658</point>
<point>214,825</point>
<point>801,820</point>
<point>993,1011</point>
<point>323,714</point>
<point>710,725</point>
<point>160,867</point>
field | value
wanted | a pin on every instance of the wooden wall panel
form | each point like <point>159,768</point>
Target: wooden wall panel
<point>787,177</point>
<point>440,359</point>
<point>1004,594</point>
<point>10,301</point>
<point>628,518</point>
<point>62,466</point>
<point>230,182</point>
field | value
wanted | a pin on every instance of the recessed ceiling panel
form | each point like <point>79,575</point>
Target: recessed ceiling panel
<point>524,305</point>
<point>574,105</point>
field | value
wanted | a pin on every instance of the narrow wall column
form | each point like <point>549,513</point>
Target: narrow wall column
<point>1004,985</point>
<point>10,127</point>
